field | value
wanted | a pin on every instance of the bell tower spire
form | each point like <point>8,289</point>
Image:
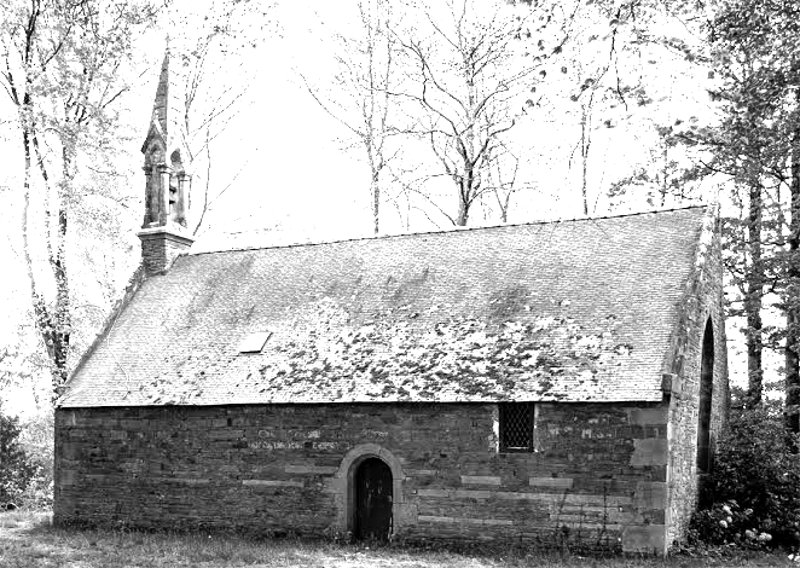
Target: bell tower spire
<point>165,233</point>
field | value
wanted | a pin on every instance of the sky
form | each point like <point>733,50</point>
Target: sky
<point>294,175</point>
<point>298,171</point>
<point>299,176</point>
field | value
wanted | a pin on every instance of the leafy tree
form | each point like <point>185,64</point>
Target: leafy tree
<point>62,63</point>
<point>616,72</point>
<point>757,477</point>
<point>759,142</point>
<point>36,440</point>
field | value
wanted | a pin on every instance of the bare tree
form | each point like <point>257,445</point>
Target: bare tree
<point>467,76</point>
<point>359,99</point>
<point>503,181</point>
<point>202,42</point>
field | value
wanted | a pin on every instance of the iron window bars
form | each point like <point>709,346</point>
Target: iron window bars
<point>516,426</point>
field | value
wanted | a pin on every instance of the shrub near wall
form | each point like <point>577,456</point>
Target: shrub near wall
<point>16,467</point>
<point>753,493</point>
<point>37,441</point>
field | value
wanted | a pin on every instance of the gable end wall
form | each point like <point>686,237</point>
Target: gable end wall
<point>704,300</point>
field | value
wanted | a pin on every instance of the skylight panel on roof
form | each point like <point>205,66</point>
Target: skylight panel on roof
<point>254,342</point>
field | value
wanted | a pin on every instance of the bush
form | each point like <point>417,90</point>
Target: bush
<point>16,468</point>
<point>37,441</point>
<point>754,489</point>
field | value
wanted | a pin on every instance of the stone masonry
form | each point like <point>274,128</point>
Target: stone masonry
<point>160,248</point>
<point>597,481</point>
<point>704,303</point>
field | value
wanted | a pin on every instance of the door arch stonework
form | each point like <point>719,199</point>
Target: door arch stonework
<point>343,487</point>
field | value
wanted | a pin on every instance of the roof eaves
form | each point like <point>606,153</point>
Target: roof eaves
<point>651,396</point>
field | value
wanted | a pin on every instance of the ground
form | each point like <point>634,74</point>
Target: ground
<point>29,541</point>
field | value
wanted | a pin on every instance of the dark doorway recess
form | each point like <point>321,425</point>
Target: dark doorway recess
<point>704,449</point>
<point>373,494</point>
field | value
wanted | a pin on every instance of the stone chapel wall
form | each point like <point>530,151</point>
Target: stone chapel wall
<point>598,480</point>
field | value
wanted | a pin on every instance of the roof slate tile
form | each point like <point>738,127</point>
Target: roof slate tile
<point>575,311</point>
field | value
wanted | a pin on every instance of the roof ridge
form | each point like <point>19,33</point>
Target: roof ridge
<point>454,230</point>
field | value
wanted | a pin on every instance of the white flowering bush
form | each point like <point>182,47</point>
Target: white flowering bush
<point>753,492</point>
<point>728,523</point>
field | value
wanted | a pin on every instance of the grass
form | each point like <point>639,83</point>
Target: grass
<point>28,540</point>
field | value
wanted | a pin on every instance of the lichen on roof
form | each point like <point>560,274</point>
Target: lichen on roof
<point>460,357</point>
<point>561,311</point>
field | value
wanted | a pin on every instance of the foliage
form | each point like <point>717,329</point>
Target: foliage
<point>63,74</point>
<point>17,469</point>
<point>36,439</point>
<point>757,144</point>
<point>726,523</point>
<point>754,489</point>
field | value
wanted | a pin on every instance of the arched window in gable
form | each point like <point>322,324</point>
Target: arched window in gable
<point>706,392</point>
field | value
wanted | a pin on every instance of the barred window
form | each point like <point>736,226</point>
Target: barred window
<point>516,426</point>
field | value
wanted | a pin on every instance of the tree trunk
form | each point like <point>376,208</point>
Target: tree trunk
<point>464,189</point>
<point>753,298</point>
<point>376,200</point>
<point>792,299</point>
<point>54,322</point>
<point>62,319</point>
<point>463,214</point>
<point>584,161</point>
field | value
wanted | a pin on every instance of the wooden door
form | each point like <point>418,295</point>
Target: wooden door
<point>373,494</point>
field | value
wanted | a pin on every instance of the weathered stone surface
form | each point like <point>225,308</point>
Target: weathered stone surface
<point>650,451</point>
<point>481,480</point>
<point>272,483</point>
<point>313,469</point>
<point>160,248</point>
<point>557,482</point>
<point>646,539</point>
<point>703,302</point>
<point>651,495</point>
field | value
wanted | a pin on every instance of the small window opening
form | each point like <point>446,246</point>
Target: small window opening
<point>704,450</point>
<point>516,426</point>
<point>254,342</point>
<point>173,198</point>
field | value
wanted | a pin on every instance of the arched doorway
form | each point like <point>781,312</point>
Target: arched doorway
<point>373,500</point>
<point>704,449</point>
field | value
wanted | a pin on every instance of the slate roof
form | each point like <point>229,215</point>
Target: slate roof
<point>577,310</point>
